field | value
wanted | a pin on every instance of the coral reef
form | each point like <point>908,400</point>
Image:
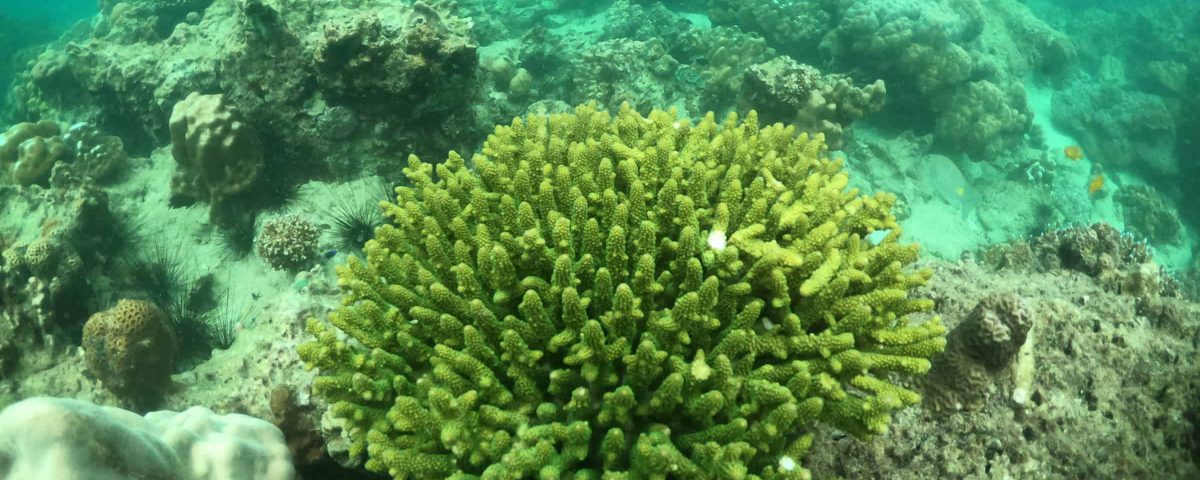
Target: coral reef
<point>288,242</point>
<point>306,75</point>
<point>1118,261</point>
<point>593,292</point>
<point>55,245</point>
<point>799,94</point>
<point>984,343</point>
<point>131,349</point>
<point>631,71</point>
<point>60,438</point>
<point>623,293</point>
<point>218,156</point>
<point>958,64</point>
<point>371,66</point>
<point>94,154</point>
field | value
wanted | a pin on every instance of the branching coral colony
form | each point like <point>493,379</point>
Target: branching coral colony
<point>623,297</point>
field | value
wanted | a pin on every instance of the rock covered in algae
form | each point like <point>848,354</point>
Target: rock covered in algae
<point>639,296</point>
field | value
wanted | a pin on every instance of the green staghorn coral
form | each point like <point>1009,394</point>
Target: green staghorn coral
<point>622,297</point>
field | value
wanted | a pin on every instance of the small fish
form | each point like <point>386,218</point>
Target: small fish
<point>1096,184</point>
<point>1073,152</point>
<point>330,253</point>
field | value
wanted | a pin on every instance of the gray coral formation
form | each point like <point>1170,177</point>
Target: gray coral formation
<point>649,56</point>
<point>938,48</point>
<point>29,150</point>
<point>218,156</point>
<point>977,350</point>
<point>797,28</point>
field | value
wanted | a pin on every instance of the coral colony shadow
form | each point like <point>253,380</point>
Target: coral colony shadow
<point>712,239</point>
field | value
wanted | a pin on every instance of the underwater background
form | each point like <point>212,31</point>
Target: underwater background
<point>343,239</point>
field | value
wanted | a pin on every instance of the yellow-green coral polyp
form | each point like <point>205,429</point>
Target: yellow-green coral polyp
<point>566,305</point>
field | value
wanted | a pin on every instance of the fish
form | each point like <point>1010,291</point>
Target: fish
<point>1096,184</point>
<point>330,253</point>
<point>1073,152</point>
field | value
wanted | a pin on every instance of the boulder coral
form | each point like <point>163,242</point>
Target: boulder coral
<point>641,296</point>
<point>218,155</point>
<point>130,348</point>
<point>1148,215</point>
<point>983,119</point>
<point>29,150</point>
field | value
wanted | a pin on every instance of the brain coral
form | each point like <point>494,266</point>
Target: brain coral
<point>130,348</point>
<point>641,297</point>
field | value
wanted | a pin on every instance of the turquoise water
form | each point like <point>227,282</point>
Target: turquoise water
<point>206,170</point>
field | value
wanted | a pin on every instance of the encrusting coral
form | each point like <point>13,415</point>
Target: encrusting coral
<point>639,296</point>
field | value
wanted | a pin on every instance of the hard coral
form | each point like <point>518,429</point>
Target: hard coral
<point>983,344</point>
<point>218,155</point>
<point>288,242</point>
<point>640,296</point>
<point>983,119</point>
<point>29,150</point>
<point>65,438</point>
<point>130,348</point>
